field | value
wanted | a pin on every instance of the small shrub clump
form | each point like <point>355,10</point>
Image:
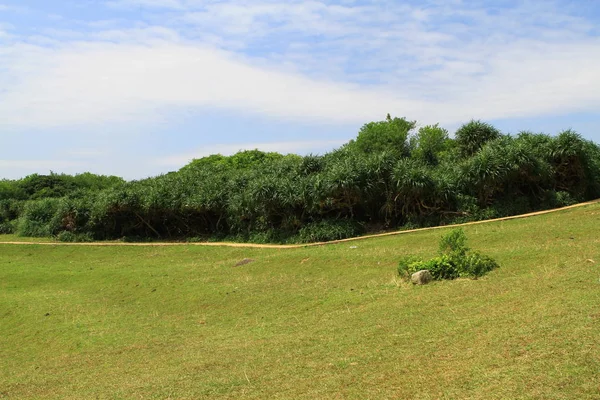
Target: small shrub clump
<point>455,260</point>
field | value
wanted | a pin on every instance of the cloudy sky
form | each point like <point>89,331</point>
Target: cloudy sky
<point>140,87</point>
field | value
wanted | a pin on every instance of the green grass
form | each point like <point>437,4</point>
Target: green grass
<point>308,323</point>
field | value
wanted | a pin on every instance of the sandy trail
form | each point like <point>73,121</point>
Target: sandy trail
<point>296,246</point>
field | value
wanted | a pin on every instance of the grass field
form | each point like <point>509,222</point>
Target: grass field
<point>310,323</point>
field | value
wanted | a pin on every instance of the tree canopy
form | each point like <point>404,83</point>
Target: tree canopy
<point>393,174</point>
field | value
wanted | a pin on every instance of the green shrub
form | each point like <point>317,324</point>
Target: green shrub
<point>389,135</point>
<point>511,206</point>
<point>554,199</point>
<point>407,266</point>
<point>564,199</point>
<point>7,227</point>
<point>70,237</point>
<point>454,260</point>
<point>9,213</point>
<point>475,265</point>
<point>327,230</point>
<point>441,267</point>
<point>454,243</point>
<point>264,237</point>
<point>39,218</point>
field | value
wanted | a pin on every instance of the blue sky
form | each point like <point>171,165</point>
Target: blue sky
<point>140,87</point>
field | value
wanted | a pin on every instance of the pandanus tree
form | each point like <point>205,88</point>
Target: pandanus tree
<point>471,137</point>
<point>379,194</point>
<point>575,163</point>
<point>388,176</point>
<point>414,186</point>
<point>344,184</point>
<point>504,167</point>
<point>273,196</point>
<point>484,173</point>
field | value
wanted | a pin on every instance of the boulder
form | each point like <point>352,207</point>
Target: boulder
<point>422,277</point>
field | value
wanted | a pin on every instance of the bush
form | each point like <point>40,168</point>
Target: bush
<point>564,199</point>
<point>388,135</point>
<point>442,267</point>
<point>408,266</point>
<point>325,231</point>
<point>70,237</point>
<point>7,227</point>
<point>454,260</point>
<point>454,242</point>
<point>9,213</point>
<point>265,237</point>
<point>471,137</point>
<point>476,265</point>
<point>38,218</point>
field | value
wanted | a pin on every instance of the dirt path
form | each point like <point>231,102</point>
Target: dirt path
<point>296,246</point>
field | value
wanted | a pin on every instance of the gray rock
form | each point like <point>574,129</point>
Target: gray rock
<point>422,277</point>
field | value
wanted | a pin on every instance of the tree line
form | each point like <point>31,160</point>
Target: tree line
<point>392,175</point>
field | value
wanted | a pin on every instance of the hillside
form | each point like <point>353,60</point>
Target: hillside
<point>335,321</point>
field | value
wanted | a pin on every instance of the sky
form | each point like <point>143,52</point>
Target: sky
<point>137,88</point>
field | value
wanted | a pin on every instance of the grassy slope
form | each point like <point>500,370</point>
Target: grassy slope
<point>324,322</point>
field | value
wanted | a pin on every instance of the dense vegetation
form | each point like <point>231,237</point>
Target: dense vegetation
<point>30,206</point>
<point>392,175</point>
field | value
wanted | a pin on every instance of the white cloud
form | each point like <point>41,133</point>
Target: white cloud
<point>99,83</point>
<point>312,60</point>
<point>298,147</point>
<point>308,61</point>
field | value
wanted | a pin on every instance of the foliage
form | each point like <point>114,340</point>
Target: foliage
<point>59,185</point>
<point>431,144</point>
<point>408,266</point>
<point>70,237</point>
<point>246,159</point>
<point>389,135</point>
<point>324,231</point>
<point>455,260</point>
<point>471,137</point>
<point>563,199</point>
<point>11,190</point>
<point>38,218</point>
<point>454,243</point>
<point>476,264</point>
<point>390,176</point>
<point>7,228</point>
<point>34,187</point>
